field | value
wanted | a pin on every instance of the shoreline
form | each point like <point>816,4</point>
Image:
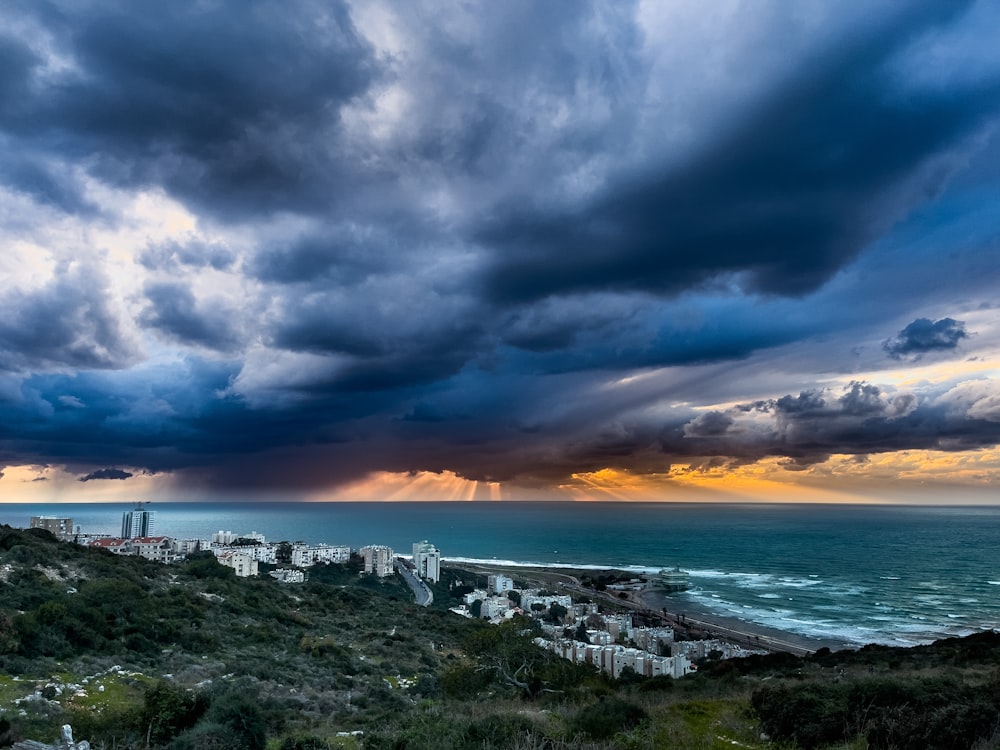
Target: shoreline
<point>688,618</point>
<point>743,632</point>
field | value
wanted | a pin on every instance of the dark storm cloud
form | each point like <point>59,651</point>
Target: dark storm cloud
<point>923,336</point>
<point>796,190</point>
<point>235,115</point>
<point>47,184</point>
<point>859,420</point>
<point>339,255</point>
<point>174,312</point>
<point>106,474</point>
<point>448,257</point>
<point>67,322</point>
<point>709,424</point>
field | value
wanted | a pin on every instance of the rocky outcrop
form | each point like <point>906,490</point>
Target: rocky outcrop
<point>65,742</point>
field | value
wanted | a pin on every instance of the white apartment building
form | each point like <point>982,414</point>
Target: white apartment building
<point>303,555</point>
<point>500,583</point>
<point>475,594</point>
<point>244,565</point>
<point>158,548</point>
<point>614,659</point>
<point>288,575</point>
<point>427,561</point>
<point>654,640</point>
<point>378,559</point>
<point>533,597</point>
<point>182,547</point>
<point>224,538</point>
<point>60,526</point>
<point>262,553</point>
<point>494,607</point>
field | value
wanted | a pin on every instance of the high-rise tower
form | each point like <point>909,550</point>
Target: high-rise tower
<point>137,523</point>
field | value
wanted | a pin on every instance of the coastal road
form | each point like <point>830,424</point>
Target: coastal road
<point>420,590</point>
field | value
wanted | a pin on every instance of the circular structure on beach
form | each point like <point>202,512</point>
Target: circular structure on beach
<point>672,580</point>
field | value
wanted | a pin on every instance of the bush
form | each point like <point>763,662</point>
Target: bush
<point>168,711</point>
<point>809,715</point>
<point>607,718</point>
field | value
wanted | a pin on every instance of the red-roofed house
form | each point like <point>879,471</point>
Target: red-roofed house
<point>114,544</point>
<point>156,548</point>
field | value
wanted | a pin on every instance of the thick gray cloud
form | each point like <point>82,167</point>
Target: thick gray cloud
<point>68,322</point>
<point>802,183</point>
<point>234,115</point>
<point>513,241</point>
<point>174,312</point>
<point>106,474</point>
<point>923,336</point>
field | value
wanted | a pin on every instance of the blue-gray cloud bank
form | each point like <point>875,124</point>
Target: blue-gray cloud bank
<point>283,245</point>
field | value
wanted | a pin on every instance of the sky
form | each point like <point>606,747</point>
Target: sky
<point>492,251</point>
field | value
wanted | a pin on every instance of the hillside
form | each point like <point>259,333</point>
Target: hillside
<point>136,654</point>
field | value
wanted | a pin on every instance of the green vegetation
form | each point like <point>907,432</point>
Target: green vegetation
<point>139,655</point>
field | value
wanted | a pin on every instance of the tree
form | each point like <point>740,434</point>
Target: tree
<point>581,633</point>
<point>167,711</point>
<point>508,652</point>
<point>557,612</point>
<point>245,542</point>
<point>283,553</point>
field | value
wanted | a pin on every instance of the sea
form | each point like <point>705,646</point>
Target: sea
<point>853,574</point>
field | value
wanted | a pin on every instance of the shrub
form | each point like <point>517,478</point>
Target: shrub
<point>607,718</point>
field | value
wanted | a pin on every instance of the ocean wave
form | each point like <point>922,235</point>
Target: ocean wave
<point>486,562</point>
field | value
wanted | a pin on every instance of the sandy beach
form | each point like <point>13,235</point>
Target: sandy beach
<point>688,618</point>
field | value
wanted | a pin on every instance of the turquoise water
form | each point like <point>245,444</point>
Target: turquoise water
<point>860,574</point>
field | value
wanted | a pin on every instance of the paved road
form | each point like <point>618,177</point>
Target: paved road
<point>423,594</point>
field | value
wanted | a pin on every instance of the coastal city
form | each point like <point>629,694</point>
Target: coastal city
<point>611,633</point>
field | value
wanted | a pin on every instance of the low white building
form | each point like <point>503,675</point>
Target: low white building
<point>531,597</point>
<point>473,595</point>
<point>262,553</point>
<point>115,545</point>
<point>495,607</point>
<point>304,555</point>
<point>158,548</point>
<point>244,565</point>
<point>288,575</point>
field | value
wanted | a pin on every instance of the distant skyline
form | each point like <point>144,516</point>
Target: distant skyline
<point>500,251</point>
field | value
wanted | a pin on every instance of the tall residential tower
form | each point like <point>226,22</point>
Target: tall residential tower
<point>427,560</point>
<point>136,523</point>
